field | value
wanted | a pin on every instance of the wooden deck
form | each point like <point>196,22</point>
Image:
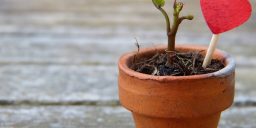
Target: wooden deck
<point>58,60</point>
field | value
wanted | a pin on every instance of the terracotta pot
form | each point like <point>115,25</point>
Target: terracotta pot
<point>176,101</point>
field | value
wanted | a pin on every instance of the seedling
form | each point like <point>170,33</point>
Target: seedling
<point>177,19</point>
<point>220,15</point>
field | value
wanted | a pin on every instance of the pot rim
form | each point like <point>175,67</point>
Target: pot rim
<point>227,70</point>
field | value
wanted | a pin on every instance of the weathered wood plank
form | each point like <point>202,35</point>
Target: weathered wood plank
<point>43,53</point>
<point>98,117</point>
<point>50,21</point>
<point>245,85</point>
<point>62,52</point>
<point>60,84</point>
<point>47,31</point>
<point>55,83</point>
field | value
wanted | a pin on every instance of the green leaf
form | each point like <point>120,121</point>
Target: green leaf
<point>159,3</point>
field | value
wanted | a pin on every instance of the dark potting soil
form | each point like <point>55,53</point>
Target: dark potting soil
<point>178,64</point>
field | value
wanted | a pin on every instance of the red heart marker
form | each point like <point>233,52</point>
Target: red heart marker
<point>224,15</point>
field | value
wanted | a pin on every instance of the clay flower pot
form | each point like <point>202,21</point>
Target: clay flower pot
<point>176,101</point>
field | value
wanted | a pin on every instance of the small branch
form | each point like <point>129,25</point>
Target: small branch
<point>159,4</point>
<point>178,6</point>
<point>167,19</point>
<point>189,17</point>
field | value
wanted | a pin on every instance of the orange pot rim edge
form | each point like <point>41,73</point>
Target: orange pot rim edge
<point>227,70</point>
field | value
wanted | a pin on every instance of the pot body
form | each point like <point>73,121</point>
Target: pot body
<point>176,101</point>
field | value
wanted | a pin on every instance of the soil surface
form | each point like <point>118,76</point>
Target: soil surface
<point>177,64</point>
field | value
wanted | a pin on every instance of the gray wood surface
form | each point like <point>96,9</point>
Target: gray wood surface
<point>98,117</point>
<point>58,60</point>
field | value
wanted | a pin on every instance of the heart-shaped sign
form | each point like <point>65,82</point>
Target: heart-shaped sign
<point>224,15</point>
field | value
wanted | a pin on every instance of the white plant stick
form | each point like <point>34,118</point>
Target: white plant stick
<point>211,49</point>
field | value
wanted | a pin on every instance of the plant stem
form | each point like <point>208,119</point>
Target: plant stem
<point>175,26</point>
<point>171,32</point>
<point>167,19</point>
